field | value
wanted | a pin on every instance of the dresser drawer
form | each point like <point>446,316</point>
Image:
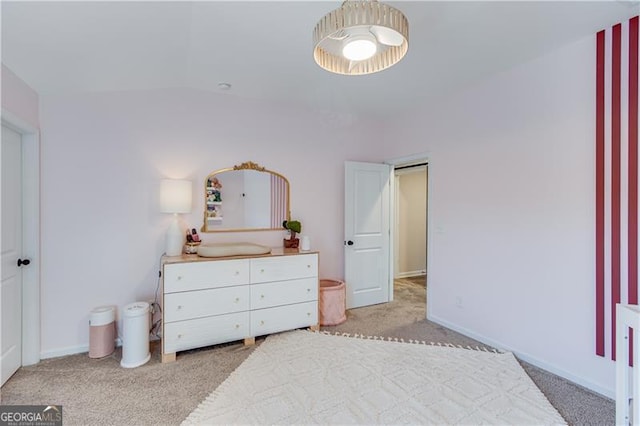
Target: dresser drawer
<point>288,317</point>
<point>183,335</point>
<point>204,303</point>
<point>284,268</point>
<point>202,275</point>
<point>268,295</point>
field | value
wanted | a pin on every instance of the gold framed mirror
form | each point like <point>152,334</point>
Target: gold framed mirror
<point>246,197</point>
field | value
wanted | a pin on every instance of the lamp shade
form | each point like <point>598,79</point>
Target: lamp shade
<point>175,196</point>
<point>360,37</point>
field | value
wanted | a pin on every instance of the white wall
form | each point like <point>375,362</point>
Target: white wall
<point>511,166</point>
<point>103,156</point>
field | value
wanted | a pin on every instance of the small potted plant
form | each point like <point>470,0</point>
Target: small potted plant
<point>294,227</point>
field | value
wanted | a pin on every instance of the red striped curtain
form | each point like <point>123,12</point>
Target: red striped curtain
<point>278,201</point>
<point>616,177</point>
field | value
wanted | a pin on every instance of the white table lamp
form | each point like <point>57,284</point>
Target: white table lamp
<point>175,197</point>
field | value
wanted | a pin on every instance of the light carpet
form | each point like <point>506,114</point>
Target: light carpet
<point>302,377</point>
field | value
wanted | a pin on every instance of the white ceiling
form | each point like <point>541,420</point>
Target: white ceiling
<point>264,48</point>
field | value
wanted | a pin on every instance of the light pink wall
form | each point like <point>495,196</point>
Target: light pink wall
<point>103,156</point>
<point>512,211</point>
<point>18,98</point>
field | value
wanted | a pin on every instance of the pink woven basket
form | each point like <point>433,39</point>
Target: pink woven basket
<point>332,302</point>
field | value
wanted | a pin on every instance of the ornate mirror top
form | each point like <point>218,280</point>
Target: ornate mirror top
<point>250,165</point>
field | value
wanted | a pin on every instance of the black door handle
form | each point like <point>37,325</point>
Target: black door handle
<point>24,262</point>
<point>349,243</point>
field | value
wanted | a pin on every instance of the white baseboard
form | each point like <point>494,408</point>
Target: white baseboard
<point>70,350</point>
<point>411,273</point>
<point>609,393</point>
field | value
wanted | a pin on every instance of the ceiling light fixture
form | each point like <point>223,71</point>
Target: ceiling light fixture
<point>360,37</point>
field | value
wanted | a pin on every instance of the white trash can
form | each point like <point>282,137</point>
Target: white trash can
<point>135,335</point>
<point>102,332</point>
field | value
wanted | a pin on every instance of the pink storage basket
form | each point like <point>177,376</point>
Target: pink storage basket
<point>332,302</point>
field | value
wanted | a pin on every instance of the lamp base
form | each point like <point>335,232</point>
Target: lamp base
<point>175,238</point>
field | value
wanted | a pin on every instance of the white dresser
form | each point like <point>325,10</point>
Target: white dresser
<point>207,301</point>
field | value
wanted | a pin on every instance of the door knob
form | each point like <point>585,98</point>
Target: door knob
<point>349,243</point>
<point>24,262</point>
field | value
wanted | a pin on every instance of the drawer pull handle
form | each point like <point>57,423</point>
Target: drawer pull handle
<point>308,289</point>
<point>179,307</point>
<point>261,322</point>
<point>179,277</point>
<point>237,272</point>
<point>237,299</point>
<point>179,336</point>
<point>308,266</point>
<point>308,314</point>
<point>262,296</point>
<point>237,325</point>
<point>262,271</point>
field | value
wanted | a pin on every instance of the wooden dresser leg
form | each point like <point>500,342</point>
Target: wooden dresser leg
<point>168,357</point>
<point>249,341</point>
<point>315,327</point>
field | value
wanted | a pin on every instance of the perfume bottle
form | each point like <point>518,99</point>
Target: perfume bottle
<point>189,237</point>
<point>194,236</point>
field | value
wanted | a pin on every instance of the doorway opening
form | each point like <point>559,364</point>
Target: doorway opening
<point>410,232</point>
<point>376,251</point>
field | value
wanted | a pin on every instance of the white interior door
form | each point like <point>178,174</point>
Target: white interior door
<point>367,225</point>
<point>11,284</point>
